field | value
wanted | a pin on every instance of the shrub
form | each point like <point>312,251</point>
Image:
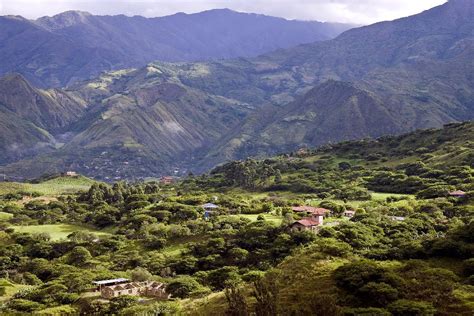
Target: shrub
<point>140,274</point>
<point>468,267</point>
<point>119,303</point>
<point>333,247</point>
<point>411,308</point>
<point>433,192</point>
<point>183,287</point>
<point>31,279</point>
<point>355,275</point>
<point>379,294</point>
<point>23,305</point>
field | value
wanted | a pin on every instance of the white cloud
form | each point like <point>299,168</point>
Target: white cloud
<point>356,11</point>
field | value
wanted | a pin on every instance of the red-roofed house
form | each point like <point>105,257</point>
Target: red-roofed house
<point>310,210</point>
<point>457,194</point>
<point>309,223</point>
<point>166,180</point>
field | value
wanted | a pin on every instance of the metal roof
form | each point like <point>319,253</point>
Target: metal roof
<point>102,282</point>
<point>210,205</point>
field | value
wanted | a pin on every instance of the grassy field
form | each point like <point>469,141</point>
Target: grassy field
<point>383,196</point>
<point>11,289</point>
<point>5,216</point>
<point>174,250</point>
<point>213,304</point>
<point>58,310</point>
<point>57,232</point>
<point>177,246</point>
<point>268,217</point>
<point>57,186</point>
<point>376,196</point>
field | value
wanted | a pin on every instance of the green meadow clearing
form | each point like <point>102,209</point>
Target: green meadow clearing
<point>5,216</point>
<point>268,217</point>
<point>56,232</point>
<point>56,186</point>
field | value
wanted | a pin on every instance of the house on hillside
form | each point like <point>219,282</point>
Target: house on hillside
<point>302,152</point>
<point>166,180</point>
<point>397,218</point>
<point>349,213</point>
<point>156,289</point>
<point>102,283</point>
<point>111,291</point>
<point>310,210</point>
<point>457,194</point>
<point>71,174</point>
<point>209,209</point>
<point>112,288</point>
<point>312,224</point>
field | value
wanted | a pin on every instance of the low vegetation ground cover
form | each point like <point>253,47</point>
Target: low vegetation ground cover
<point>51,187</point>
<point>57,231</point>
<point>5,216</point>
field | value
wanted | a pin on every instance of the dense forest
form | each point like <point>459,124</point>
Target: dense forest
<point>407,250</point>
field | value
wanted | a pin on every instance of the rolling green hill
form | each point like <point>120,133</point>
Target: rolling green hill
<point>438,159</point>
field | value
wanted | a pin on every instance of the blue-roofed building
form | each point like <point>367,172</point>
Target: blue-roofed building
<point>209,208</point>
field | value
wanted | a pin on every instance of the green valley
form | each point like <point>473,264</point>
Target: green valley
<point>248,236</point>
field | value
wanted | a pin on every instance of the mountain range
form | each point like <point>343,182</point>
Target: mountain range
<point>386,78</point>
<point>73,46</point>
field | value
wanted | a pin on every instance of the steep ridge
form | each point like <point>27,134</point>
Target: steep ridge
<point>30,117</point>
<point>149,126</point>
<point>309,121</point>
<point>20,138</point>
<point>73,46</point>
<point>419,68</point>
<point>48,109</point>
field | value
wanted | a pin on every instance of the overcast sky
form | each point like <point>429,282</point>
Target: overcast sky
<point>354,11</point>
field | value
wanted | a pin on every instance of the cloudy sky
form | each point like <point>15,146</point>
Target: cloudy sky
<point>354,11</point>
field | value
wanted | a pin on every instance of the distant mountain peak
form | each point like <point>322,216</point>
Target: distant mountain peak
<point>14,17</point>
<point>64,19</point>
<point>225,10</point>
<point>73,13</point>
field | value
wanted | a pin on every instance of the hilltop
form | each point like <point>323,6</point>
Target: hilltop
<point>406,164</point>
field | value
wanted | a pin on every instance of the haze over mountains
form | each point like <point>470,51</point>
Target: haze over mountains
<point>56,51</point>
<point>386,78</point>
